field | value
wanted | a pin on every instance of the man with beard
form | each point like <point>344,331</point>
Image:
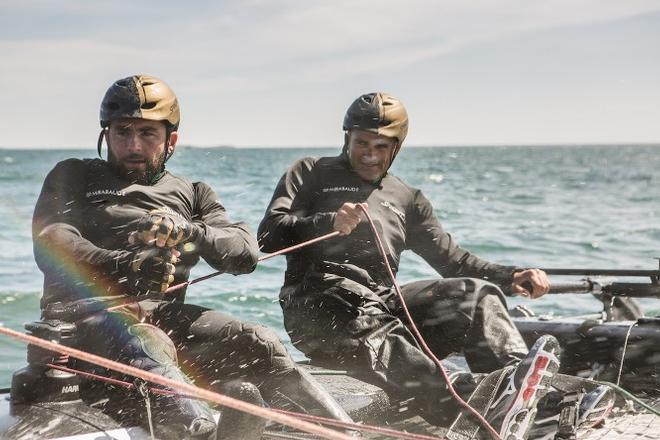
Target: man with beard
<point>127,227</point>
<point>339,305</point>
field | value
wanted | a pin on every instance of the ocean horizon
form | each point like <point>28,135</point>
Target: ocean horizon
<point>307,147</point>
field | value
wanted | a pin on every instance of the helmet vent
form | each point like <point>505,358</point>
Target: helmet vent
<point>148,105</point>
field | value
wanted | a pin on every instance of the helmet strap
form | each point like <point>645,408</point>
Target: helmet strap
<point>99,143</point>
<point>395,151</point>
<point>344,149</point>
<point>168,132</point>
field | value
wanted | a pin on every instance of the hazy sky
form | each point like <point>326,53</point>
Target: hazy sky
<point>282,73</point>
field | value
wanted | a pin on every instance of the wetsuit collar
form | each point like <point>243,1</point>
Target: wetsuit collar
<point>154,179</point>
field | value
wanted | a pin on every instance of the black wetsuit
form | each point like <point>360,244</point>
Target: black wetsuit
<point>339,307</point>
<point>81,224</point>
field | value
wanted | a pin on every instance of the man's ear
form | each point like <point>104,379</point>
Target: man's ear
<point>174,136</point>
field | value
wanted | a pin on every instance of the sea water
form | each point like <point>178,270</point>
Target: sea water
<point>553,206</point>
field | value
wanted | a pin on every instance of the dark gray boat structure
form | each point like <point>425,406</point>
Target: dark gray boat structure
<point>616,344</point>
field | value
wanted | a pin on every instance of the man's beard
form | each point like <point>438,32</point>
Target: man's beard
<point>141,177</point>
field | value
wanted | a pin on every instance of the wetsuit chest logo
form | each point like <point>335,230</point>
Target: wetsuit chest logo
<point>105,192</point>
<point>394,209</point>
<point>341,189</point>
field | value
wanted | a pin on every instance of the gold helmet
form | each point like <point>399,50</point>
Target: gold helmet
<point>139,96</point>
<point>378,113</point>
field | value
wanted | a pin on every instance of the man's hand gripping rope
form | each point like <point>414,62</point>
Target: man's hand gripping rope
<point>152,266</point>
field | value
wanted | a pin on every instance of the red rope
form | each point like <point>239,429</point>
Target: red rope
<point>311,418</point>
<point>215,274</point>
<point>360,426</point>
<point>416,332</point>
<point>299,246</point>
<point>184,388</point>
<point>263,258</point>
<point>418,335</point>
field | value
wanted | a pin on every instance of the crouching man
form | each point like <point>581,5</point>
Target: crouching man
<point>127,226</point>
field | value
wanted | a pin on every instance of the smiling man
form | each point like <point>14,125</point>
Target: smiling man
<point>338,302</point>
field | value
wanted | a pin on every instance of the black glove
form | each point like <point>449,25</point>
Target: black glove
<point>150,270</point>
<point>163,228</point>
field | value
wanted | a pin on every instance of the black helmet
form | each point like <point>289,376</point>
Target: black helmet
<point>379,113</point>
<point>139,96</point>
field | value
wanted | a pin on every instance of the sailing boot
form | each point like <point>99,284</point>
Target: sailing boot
<point>514,409</point>
<point>173,416</point>
<point>239,425</point>
<point>178,417</point>
<point>299,388</point>
<point>509,396</point>
<point>569,412</point>
<point>443,410</point>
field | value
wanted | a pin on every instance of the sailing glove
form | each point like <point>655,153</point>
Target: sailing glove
<point>163,228</point>
<point>151,270</point>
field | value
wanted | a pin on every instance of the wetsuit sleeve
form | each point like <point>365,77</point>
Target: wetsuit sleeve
<point>427,238</point>
<point>288,219</point>
<point>61,251</point>
<point>226,246</point>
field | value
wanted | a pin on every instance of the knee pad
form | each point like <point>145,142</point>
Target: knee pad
<point>494,304</point>
<point>148,346</point>
<point>263,345</point>
<point>472,293</point>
